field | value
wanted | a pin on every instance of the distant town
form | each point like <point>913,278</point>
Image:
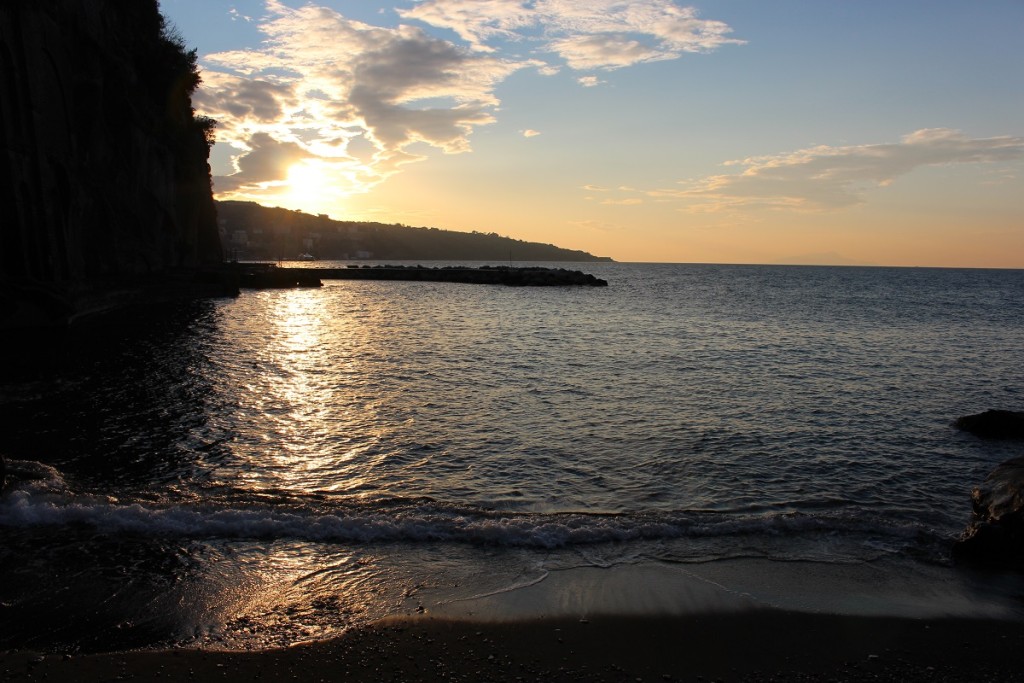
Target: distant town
<point>249,231</point>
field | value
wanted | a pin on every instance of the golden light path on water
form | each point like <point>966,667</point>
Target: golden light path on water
<point>298,380</point>
<point>314,427</point>
<point>339,399</point>
<point>298,397</point>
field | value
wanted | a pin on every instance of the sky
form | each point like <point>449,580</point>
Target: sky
<point>726,131</point>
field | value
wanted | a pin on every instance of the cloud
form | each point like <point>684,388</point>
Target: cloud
<point>475,21</point>
<point>587,34</point>
<point>604,50</point>
<point>824,178</point>
<point>321,81</point>
<point>265,162</point>
<point>232,99</point>
<point>364,100</point>
<point>530,133</point>
<point>629,201</point>
<point>589,81</point>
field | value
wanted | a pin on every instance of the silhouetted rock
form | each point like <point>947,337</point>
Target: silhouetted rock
<point>502,275</point>
<point>995,534</point>
<point>994,424</point>
<point>269,276</point>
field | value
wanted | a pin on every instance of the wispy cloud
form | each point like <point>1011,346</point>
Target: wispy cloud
<point>589,81</point>
<point>824,177</point>
<point>530,133</point>
<point>587,34</point>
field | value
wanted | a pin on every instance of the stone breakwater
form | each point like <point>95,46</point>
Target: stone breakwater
<point>269,275</point>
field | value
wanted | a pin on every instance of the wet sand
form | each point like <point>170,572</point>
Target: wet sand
<point>753,645</point>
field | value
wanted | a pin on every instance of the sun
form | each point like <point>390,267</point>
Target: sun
<point>309,187</point>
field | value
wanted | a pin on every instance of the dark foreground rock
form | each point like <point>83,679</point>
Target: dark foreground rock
<point>994,424</point>
<point>995,534</point>
<point>29,308</point>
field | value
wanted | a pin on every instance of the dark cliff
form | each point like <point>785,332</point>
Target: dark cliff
<point>104,179</point>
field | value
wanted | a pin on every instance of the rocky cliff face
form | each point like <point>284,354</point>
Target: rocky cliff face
<point>103,166</point>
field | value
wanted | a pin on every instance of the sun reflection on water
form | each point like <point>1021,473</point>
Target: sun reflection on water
<point>296,348</point>
<point>301,396</point>
<point>302,382</point>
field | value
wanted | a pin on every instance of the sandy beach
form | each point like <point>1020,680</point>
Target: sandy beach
<point>650,622</point>
<point>753,645</point>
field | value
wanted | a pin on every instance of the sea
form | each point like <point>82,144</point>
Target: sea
<point>279,467</point>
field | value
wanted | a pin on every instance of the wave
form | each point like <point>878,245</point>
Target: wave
<point>44,501</point>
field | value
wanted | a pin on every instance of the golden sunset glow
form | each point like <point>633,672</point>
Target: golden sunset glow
<point>310,187</point>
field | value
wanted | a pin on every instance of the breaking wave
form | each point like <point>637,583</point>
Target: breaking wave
<point>43,500</point>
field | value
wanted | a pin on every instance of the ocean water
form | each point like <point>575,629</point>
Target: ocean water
<point>284,465</point>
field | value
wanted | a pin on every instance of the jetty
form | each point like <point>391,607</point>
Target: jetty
<point>270,275</point>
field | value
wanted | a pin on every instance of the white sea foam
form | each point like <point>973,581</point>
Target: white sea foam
<point>29,475</point>
<point>31,505</point>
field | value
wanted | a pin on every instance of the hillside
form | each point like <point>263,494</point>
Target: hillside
<point>250,232</point>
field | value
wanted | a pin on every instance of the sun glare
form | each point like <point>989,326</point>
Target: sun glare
<point>309,187</point>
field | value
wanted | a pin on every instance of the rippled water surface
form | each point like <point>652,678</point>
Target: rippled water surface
<point>284,464</point>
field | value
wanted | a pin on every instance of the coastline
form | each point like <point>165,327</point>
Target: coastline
<point>647,622</point>
<point>752,645</point>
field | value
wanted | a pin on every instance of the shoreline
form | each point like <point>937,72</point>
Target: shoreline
<point>752,645</point>
<point>649,623</point>
<point>624,595</point>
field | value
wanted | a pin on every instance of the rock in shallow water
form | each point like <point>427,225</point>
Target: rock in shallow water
<point>995,534</point>
<point>994,424</point>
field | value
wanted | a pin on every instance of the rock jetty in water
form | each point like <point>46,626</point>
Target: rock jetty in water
<point>270,275</point>
<point>995,534</point>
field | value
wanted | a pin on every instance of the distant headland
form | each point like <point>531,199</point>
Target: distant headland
<point>252,232</point>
